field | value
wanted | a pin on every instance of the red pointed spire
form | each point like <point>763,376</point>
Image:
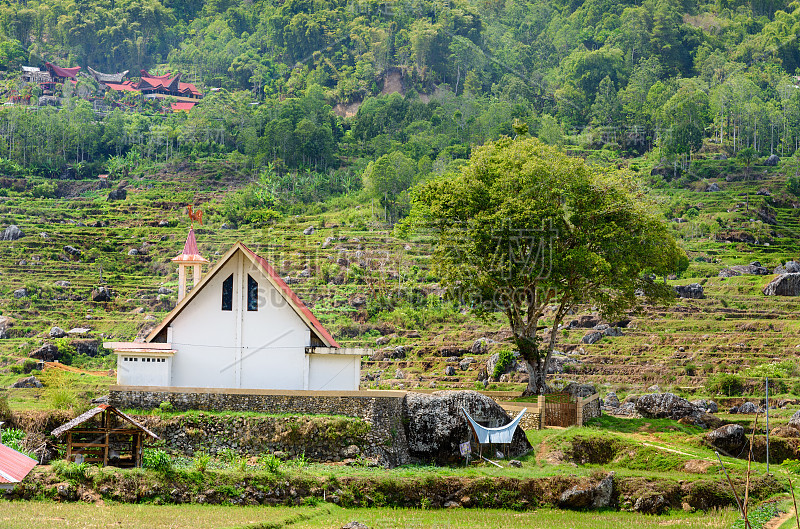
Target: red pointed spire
<point>190,252</point>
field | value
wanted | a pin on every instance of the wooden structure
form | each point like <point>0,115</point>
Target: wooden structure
<point>559,409</point>
<point>110,437</point>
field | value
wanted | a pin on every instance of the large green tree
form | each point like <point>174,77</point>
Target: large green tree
<point>528,231</point>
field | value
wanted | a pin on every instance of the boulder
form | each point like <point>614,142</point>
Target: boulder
<point>592,337</point>
<point>709,406</point>
<point>46,353</point>
<point>784,431</point>
<point>119,193</point>
<point>57,332</point>
<point>354,525</point>
<point>449,371</point>
<point>71,250</point>
<point>164,291</point>
<point>651,504</point>
<point>752,269</point>
<point>691,291</point>
<point>11,233</point>
<point>435,425</point>
<point>613,331</point>
<point>665,406</point>
<point>86,347</point>
<point>611,400</point>
<point>585,322</point>
<point>592,496</point>
<point>772,161</point>
<point>713,188</point>
<point>784,285</point>
<point>308,231</point>
<point>558,362</point>
<point>21,293</point>
<point>133,252</point>
<point>491,362</point>
<point>28,382</point>
<point>62,284</point>
<point>5,324</point>
<point>748,407</point>
<point>481,346</point>
<point>729,438</point>
<point>465,363</point>
<point>794,420</point>
<point>101,295</point>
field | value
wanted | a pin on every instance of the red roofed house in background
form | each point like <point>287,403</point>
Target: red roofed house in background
<point>14,466</point>
<point>159,87</point>
<point>241,327</point>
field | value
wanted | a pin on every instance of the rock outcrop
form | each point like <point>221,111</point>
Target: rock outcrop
<point>12,233</point>
<point>692,291</point>
<point>594,496</point>
<point>729,438</point>
<point>784,285</point>
<point>435,424</point>
<point>28,382</point>
<point>665,406</point>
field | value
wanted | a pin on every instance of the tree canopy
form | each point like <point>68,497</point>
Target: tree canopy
<point>528,231</point>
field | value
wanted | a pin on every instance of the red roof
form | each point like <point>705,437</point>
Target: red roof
<point>127,86</point>
<point>190,251</point>
<point>183,105</point>
<point>188,87</point>
<point>57,71</point>
<point>14,466</point>
<point>146,75</point>
<point>293,298</point>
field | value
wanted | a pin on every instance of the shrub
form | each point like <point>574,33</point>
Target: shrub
<point>270,462</point>
<point>201,460</point>
<point>45,190</point>
<point>726,384</point>
<point>165,407</point>
<point>69,470</point>
<point>156,459</point>
<point>505,361</point>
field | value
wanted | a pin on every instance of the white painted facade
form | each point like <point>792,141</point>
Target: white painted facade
<point>279,346</point>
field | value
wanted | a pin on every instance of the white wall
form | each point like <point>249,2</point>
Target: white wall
<point>264,349</point>
<point>332,372</point>
<point>135,370</point>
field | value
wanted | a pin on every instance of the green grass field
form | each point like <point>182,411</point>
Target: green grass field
<point>47,515</point>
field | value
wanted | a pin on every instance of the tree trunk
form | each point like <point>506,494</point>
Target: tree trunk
<point>537,361</point>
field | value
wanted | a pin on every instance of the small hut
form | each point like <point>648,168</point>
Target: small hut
<point>105,435</point>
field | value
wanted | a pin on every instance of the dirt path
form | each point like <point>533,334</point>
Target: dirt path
<point>775,523</point>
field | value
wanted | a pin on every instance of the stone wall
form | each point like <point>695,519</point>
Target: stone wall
<point>317,438</point>
<point>381,410</point>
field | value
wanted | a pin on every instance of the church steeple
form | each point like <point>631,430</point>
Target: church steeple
<point>190,257</point>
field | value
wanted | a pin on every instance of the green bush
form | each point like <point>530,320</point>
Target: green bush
<point>156,459</point>
<point>70,470</point>
<point>270,462</point>
<point>505,361</point>
<point>725,384</point>
<point>45,190</point>
<point>201,460</point>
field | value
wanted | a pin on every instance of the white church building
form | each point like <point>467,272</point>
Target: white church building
<point>240,326</point>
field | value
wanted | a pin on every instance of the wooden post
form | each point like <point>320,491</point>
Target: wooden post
<point>69,446</point>
<point>540,404</point>
<point>579,412</point>
<point>106,425</point>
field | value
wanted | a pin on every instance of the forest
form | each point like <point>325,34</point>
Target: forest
<point>302,96</point>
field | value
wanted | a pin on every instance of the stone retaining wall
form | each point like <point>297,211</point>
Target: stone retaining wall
<point>382,410</point>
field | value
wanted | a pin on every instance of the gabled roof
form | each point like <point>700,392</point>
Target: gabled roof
<point>57,71</point>
<point>95,411</point>
<point>280,285</point>
<point>14,466</point>
<point>184,106</point>
<point>127,86</point>
<point>146,75</point>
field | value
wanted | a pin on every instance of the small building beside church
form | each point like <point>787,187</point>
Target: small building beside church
<point>239,327</point>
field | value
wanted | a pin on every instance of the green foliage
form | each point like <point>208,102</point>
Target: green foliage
<point>13,438</point>
<point>523,227</point>
<point>725,384</point>
<point>165,407</point>
<point>759,516</point>
<point>156,459</point>
<point>44,190</point>
<point>793,185</point>
<point>70,470</point>
<point>504,362</point>
<point>201,460</point>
